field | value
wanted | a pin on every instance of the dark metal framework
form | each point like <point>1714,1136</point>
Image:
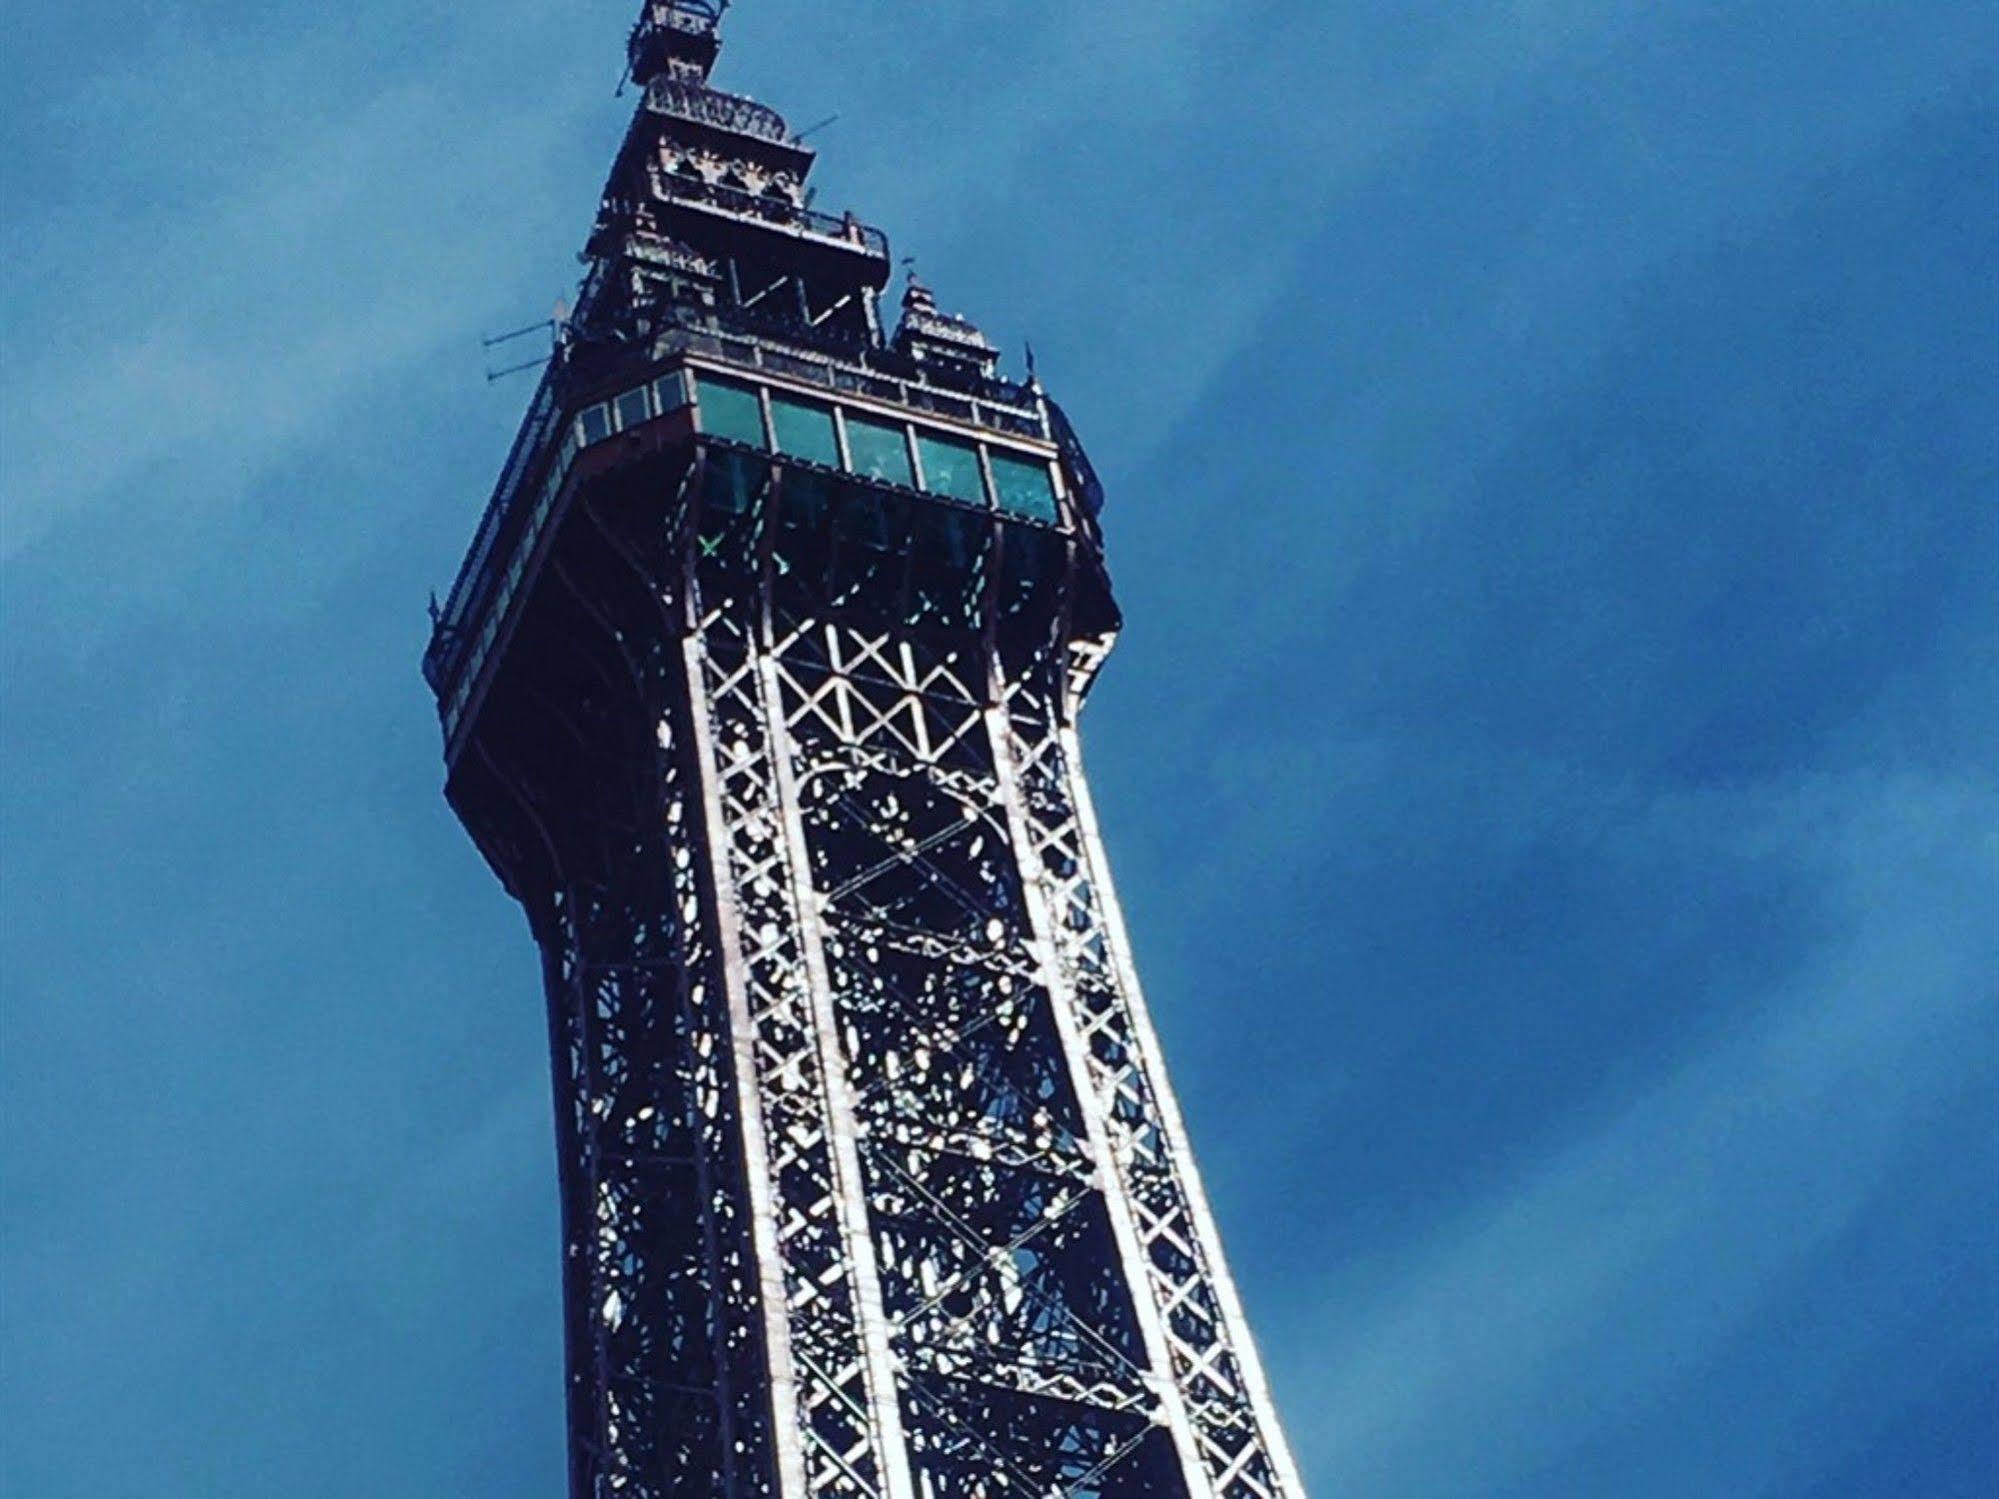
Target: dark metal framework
<point>872,1184</point>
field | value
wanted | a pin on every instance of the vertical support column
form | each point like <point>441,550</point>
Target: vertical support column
<point>1171,1409</point>
<point>1213,1361</point>
<point>843,1127</point>
<point>772,1293</point>
<point>816,1262</point>
<point>885,1411</point>
<point>1208,1244</point>
<point>632,1033</point>
<point>566,1051</point>
<point>701,1008</point>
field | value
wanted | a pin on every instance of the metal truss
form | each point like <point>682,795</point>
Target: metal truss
<point>667,1360</point>
<point>872,1184</point>
<point>1214,1364</point>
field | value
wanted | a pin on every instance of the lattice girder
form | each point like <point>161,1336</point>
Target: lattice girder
<point>845,979</point>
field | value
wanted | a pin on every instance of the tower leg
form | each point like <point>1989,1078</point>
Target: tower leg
<point>1213,1360</point>
<point>833,1390</point>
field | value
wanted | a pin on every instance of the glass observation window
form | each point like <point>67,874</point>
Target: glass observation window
<point>1025,486</point>
<point>880,450</point>
<point>731,411</point>
<point>951,467</point>
<point>804,430</point>
<point>669,392</point>
<point>733,480</point>
<point>633,409</point>
<point>594,424</point>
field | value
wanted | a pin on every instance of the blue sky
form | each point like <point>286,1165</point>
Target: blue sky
<point>1550,765</point>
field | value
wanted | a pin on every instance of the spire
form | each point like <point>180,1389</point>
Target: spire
<point>676,39</point>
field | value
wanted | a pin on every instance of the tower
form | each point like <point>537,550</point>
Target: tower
<point>758,688</point>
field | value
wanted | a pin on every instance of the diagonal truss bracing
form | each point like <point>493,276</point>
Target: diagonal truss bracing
<point>873,1186</point>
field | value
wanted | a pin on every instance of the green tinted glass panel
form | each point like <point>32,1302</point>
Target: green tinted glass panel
<point>633,409</point>
<point>732,411</point>
<point>951,468</point>
<point>669,392</point>
<point>804,430</point>
<point>732,482</point>
<point>804,500</point>
<point>1025,487</point>
<point>879,450</point>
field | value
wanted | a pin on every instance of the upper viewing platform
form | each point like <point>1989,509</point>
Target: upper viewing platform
<point>700,105</point>
<point>712,272</point>
<point>712,165</point>
<point>687,189</point>
<point>677,37</point>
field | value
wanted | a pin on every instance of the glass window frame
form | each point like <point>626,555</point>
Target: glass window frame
<point>873,421</point>
<point>949,442</point>
<point>675,382</point>
<point>996,456</point>
<point>757,392</point>
<point>776,400</point>
<point>624,398</point>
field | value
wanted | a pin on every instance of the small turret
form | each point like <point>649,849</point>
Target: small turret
<point>942,341</point>
<point>676,39</point>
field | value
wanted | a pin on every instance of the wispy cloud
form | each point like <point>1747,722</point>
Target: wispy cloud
<point>251,309</point>
<point>1649,1232</point>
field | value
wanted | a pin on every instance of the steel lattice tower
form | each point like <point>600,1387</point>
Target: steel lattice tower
<point>758,689</point>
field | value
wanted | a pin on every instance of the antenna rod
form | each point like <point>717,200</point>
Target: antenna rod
<point>507,338</point>
<point>515,369</point>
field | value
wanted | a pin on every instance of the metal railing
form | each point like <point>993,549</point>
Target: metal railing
<point>840,363</point>
<point>530,443</point>
<point>707,106</point>
<point>734,337</point>
<point>680,189</point>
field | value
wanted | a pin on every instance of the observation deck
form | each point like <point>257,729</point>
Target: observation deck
<point>739,207</point>
<point>995,447</point>
<point>699,104</point>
